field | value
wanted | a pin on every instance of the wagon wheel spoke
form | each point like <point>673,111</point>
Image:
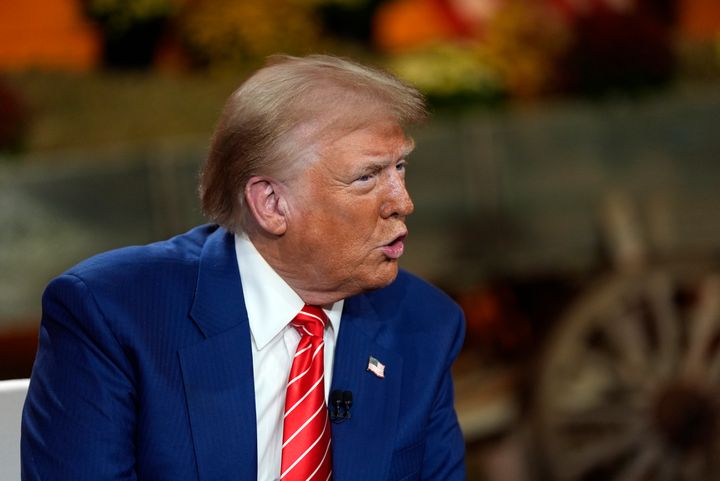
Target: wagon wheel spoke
<point>661,296</point>
<point>601,452</point>
<point>601,416</point>
<point>641,463</point>
<point>713,367</point>
<point>583,383</point>
<point>633,349</point>
<point>703,329</point>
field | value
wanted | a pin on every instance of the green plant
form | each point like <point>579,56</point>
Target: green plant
<point>449,74</point>
<point>228,32</point>
<point>121,15</point>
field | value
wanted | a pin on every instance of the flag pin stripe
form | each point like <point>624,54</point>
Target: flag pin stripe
<point>376,367</point>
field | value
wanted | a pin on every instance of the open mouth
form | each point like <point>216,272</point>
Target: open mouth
<point>395,249</point>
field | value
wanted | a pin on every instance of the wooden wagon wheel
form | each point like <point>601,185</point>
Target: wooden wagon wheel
<point>629,387</point>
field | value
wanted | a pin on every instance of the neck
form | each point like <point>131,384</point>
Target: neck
<point>298,276</point>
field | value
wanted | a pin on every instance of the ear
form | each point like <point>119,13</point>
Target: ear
<point>265,199</point>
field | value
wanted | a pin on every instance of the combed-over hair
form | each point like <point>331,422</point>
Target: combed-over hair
<point>275,120</point>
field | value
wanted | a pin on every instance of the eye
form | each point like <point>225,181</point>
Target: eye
<point>369,174</point>
<point>401,166</point>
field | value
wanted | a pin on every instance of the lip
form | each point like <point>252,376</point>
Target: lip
<point>395,249</point>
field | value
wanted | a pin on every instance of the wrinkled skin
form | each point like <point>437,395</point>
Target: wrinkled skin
<point>345,217</point>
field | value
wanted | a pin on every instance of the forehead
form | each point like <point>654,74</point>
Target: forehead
<point>380,139</point>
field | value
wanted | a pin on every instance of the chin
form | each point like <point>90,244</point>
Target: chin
<point>384,276</point>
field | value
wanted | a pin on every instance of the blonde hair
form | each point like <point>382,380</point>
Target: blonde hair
<point>273,122</point>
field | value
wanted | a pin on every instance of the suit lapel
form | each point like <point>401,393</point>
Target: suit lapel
<point>362,445</point>
<point>218,372</point>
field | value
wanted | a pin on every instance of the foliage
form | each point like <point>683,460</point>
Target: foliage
<point>447,73</point>
<point>342,3</point>
<point>228,32</point>
<point>532,48</point>
<point>405,25</point>
<point>131,29</point>
<point>118,16</point>
<point>514,52</point>
<point>523,43</point>
<point>346,21</point>
<point>699,60</point>
<point>616,50</point>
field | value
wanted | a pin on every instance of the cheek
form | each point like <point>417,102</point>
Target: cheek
<point>360,216</point>
<point>348,229</point>
<point>359,229</point>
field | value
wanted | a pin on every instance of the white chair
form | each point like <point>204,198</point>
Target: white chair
<point>12,397</point>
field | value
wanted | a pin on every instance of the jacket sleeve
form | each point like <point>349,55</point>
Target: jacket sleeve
<point>79,416</point>
<point>444,445</point>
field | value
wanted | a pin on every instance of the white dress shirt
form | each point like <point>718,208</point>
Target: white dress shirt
<point>271,304</point>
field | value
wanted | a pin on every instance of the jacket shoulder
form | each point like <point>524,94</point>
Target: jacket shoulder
<point>179,252</point>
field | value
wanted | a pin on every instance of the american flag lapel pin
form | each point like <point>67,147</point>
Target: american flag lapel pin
<point>376,367</point>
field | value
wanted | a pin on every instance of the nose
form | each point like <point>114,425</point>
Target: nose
<point>397,202</point>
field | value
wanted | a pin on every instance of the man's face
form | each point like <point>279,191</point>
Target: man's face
<point>348,210</point>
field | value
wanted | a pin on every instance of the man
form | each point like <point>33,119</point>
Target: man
<point>210,356</point>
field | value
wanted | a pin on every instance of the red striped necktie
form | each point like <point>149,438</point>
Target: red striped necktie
<point>306,453</point>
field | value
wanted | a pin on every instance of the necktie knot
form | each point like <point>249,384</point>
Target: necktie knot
<point>310,321</point>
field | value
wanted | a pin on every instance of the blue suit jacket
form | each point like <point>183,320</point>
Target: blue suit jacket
<point>144,372</point>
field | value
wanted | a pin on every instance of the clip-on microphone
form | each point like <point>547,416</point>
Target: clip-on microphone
<point>340,403</point>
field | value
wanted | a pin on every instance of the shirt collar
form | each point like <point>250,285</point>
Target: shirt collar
<point>270,302</point>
